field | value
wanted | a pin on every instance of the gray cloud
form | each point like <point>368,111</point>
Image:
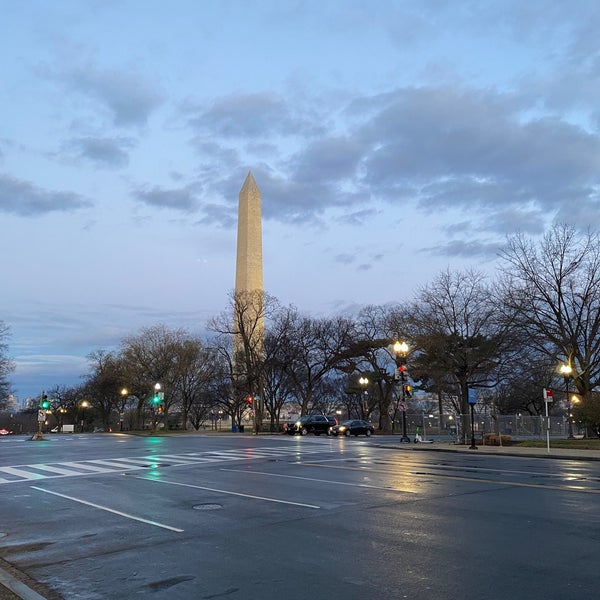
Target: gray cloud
<point>104,152</point>
<point>470,249</point>
<point>25,199</point>
<point>127,95</point>
<point>257,115</point>
<point>182,199</point>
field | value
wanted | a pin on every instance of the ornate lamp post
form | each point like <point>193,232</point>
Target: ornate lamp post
<point>83,404</point>
<point>124,396</point>
<point>401,350</point>
<point>566,370</point>
<point>364,382</point>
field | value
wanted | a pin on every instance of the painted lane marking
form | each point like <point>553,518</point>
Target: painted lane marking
<point>21,473</point>
<point>361,485</point>
<point>86,467</point>
<point>110,510</point>
<point>208,489</point>
<point>52,469</point>
<point>541,486</point>
<point>116,465</point>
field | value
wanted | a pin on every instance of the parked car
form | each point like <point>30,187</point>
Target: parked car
<point>316,424</point>
<point>353,427</point>
<point>5,431</point>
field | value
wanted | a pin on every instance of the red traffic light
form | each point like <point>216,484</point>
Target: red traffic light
<point>249,400</point>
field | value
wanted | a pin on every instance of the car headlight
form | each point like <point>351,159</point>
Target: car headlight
<point>342,428</point>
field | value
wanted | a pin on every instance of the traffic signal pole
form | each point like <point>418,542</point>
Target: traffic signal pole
<point>44,404</point>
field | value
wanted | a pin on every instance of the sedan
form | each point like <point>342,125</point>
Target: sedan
<point>355,427</point>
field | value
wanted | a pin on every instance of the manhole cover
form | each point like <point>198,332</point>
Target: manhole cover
<point>207,506</point>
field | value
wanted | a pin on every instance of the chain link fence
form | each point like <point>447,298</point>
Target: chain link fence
<point>517,426</point>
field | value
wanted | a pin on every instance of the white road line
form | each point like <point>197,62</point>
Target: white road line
<point>117,463</point>
<point>183,459</point>
<point>146,462</point>
<point>208,489</point>
<point>86,467</point>
<point>52,469</point>
<point>361,485</point>
<point>21,473</point>
<point>110,510</point>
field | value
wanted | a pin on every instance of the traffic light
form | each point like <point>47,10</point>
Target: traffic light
<point>45,403</point>
<point>155,400</point>
<point>408,390</point>
<point>249,400</point>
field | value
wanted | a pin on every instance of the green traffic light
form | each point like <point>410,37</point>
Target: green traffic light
<point>45,404</point>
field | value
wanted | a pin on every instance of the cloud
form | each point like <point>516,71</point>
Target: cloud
<point>104,152</point>
<point>257,115</point>
<point>182,199</point>
<point>126,94</point>
<point>470,249</point>
<point>25,199</point>
<point>470,148</point>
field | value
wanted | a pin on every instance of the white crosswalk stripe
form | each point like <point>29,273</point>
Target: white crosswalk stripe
<point>14,474</point>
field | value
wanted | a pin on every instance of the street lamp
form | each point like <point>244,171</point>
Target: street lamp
<point>124,396</point>
<point>566,370</point>
<point>364,382</point>
<point>401,350</point>
<point>84,404</point>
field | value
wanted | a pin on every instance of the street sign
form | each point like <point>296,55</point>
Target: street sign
<point>547,395</point>
<point>472,397</point>
<point>41,415</point>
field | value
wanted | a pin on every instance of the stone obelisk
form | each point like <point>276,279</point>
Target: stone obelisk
<point>248,341</point>
<point>249,265</point>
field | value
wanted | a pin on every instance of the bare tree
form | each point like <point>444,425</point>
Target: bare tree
<point>196,366</point>
<point>6,365</point>
<point>155,356</point>
<point>102,387</point>
<point>311,349</point>
<point>243,325</point>
<point>370,356</point>
<point>456,336</point>
<point>553,290</point>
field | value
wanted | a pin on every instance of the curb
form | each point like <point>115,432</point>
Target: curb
<point>527,453</point>
<point>17,587</point>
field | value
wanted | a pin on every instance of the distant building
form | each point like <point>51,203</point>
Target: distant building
<point>12,404</point>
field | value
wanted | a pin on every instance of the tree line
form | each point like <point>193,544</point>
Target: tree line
<point>505,337</point>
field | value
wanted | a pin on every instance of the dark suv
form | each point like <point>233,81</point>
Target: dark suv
<point>316,424</point>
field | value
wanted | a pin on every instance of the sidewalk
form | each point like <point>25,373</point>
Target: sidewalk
<point>557,453</point>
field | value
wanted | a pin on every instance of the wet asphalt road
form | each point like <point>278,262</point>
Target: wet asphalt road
<point>255,518</point>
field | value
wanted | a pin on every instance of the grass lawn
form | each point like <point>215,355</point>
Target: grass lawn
<point>585,444</point>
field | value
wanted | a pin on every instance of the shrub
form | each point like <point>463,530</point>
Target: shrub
<point>491,439</point>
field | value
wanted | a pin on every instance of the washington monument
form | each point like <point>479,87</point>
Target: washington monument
<point>248,317</point>
<point>249,264</point>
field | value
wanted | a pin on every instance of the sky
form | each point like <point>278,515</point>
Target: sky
<point>390,141</point>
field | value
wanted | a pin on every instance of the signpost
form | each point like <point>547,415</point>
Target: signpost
<point>472,399</point>
<point>547,399</point>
